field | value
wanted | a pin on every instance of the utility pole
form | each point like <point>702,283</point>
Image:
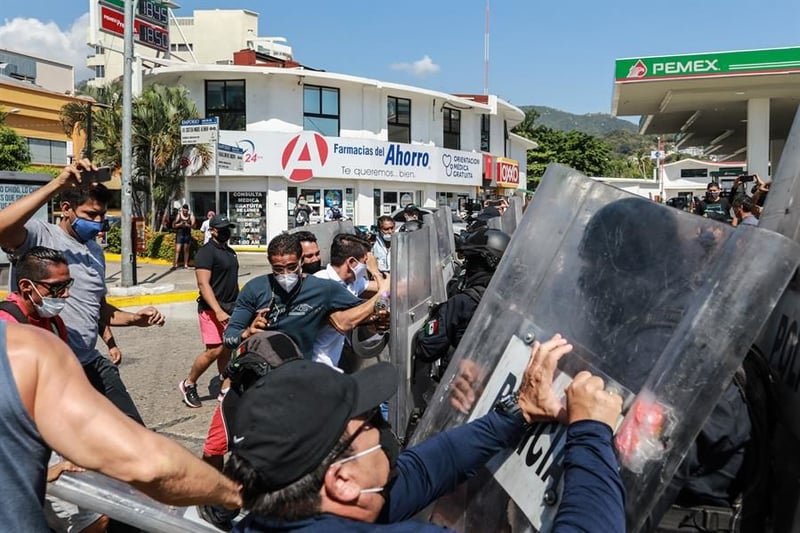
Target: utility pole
<point>128,253</point>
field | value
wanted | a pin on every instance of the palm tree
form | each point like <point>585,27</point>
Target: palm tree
<point>106,122</point>
<point>158,153</point>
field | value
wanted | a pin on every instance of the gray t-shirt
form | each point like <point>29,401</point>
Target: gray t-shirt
<point>87,266</point>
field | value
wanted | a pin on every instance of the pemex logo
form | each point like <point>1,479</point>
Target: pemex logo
<point>304,155</point>
<point>638,70</point>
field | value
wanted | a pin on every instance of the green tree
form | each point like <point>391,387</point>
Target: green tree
<point>106,122</point>
<point>14,152</point>
<point>158,152</point>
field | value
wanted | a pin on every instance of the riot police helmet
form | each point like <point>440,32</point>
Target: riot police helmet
<point>489,244</point>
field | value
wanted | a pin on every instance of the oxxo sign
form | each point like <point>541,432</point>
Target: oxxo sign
<point>507,172</point>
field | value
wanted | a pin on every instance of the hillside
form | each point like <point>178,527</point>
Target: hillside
<point>597,124</point>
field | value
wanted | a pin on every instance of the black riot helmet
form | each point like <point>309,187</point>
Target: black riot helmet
<point>488,244</point>
<point>411,225</point>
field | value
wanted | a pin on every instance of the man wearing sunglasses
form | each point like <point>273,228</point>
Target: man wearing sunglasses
<point>43,284</point>
<point>83,209</point>
<point>312,453</point>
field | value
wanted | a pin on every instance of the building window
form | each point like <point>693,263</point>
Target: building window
<point>225,99</point>
<point>47,152</point>
<point>99,50</point>
<point>485,135</point>
<point>694,172</point>
<point>398,119</point>
<point>451,128</point>
<point>181,47</point>
<point>321,110</point>
<point>100,71</point>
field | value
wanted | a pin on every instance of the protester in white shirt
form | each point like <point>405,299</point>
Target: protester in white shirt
<point>205,227</point>
<point>350,262</point>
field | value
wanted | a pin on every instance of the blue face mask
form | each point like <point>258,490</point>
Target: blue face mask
<point>86,229</point>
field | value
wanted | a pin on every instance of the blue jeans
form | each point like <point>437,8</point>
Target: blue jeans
<point>104,376</point>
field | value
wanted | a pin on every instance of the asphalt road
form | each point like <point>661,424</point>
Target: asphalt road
<point>154,361</point>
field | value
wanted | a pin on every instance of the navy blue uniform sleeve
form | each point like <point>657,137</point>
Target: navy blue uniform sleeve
<point>435,345</point>
<point>438,465</point>
<point>594,497</point>
<point>254,295</point>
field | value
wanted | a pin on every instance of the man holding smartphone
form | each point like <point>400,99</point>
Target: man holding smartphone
<point>83,210</point>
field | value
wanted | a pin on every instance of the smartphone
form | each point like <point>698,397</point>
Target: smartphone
<point>96,176</point>
<point>749,177</point>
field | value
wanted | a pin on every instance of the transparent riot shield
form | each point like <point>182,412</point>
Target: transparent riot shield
<point>513,215</point>
<point>416,286</point>
<point>779,341</point>
<point>325,233</point>
<point>661,303</point>
<point>120,501</point>
<point>443,244</point>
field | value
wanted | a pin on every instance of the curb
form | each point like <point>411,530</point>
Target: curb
<point>142,300</point>
<point>145,260</point>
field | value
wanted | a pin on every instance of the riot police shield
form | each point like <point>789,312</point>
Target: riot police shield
<point>779,343</point>
<point>662,304</point>
<point>120,501</point>
<point>443,243</point>
<point>513,215</point>
<point>325,233</point>
<point>416,286</point>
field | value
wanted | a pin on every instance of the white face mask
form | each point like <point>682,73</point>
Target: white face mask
<point>387,237</point>
<point>357,456</point>
<point>360,271</point>
<point>50,306</point>
<point>287,281</point>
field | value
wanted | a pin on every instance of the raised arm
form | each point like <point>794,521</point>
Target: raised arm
<point>83,426</point>
<point>14,216</point>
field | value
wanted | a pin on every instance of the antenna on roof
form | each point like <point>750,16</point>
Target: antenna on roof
<point>486,52</point>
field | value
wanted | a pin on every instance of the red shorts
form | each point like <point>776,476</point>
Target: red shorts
<point>217,438</point>
<point>210,328</point>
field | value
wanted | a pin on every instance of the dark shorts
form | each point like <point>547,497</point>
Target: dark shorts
<point>183,238</point>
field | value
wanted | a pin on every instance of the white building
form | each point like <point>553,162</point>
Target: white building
<point>209,36</point>
<point>686,178</point>
<point>369,146</point>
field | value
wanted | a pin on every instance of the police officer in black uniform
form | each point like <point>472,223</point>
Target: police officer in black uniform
<point>482,252</point>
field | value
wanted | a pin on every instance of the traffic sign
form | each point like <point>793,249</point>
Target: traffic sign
<point>657,155</point>
<point>230,157</point>
<point>200,130</point>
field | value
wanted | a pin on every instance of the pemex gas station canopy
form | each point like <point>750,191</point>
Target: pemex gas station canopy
<point>734,104</point>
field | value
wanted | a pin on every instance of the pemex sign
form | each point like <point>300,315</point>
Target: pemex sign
<point>738,63</point>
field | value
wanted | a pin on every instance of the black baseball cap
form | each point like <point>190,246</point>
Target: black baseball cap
<point>291,419</point>
<point>221,221</point>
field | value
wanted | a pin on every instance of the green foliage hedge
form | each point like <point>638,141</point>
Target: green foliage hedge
<point>160,245</point>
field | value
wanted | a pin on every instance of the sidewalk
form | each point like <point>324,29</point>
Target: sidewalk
<point>157,283</point>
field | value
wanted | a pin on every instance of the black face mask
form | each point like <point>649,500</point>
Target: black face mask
<point>390,445</point>
<point>311,268</point>
<point>223,234</point>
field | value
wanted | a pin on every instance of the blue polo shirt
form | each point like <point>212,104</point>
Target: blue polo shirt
<point>300,314</point>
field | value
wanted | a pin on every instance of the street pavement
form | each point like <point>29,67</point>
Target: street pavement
<point>154,360</point>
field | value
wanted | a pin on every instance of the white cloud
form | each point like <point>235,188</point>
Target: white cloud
<point>420,68</point>
<point>45,39</point>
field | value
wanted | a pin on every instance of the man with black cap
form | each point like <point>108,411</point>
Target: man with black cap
<point>217,273</point>
<point>313,453</point>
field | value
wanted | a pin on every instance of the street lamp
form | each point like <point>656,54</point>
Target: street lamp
<point>87,150</point>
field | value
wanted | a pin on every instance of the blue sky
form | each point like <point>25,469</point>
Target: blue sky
<point>560,54</point>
